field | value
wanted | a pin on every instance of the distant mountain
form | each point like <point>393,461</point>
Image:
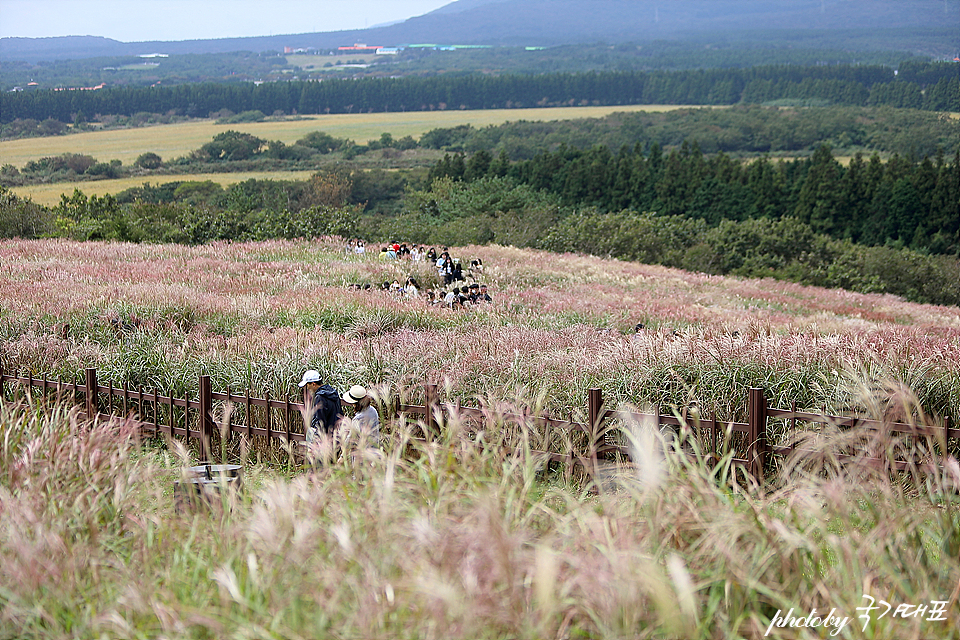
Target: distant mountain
<point>555,22</point>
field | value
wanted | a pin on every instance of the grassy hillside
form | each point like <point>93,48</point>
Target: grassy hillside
<point>466,537</point>
<point>253,314</point>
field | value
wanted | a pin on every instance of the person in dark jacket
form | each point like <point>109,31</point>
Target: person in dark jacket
<point>323,405</point>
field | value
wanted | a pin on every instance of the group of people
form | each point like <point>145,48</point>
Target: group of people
<point>448,269</point>
<point>459,297</point>
<point>330,416</point>
<point>391,251</point>
<point>451,294</point>
<point>451,271</point>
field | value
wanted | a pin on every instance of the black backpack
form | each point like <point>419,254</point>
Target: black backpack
<point>328,410</point>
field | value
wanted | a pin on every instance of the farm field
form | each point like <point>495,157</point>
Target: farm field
<point>310,62</point>
<point>49,194</point>
<point>464,537</point>
<point>175,140</point>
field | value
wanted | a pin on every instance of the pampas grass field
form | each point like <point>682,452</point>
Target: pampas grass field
<point>461,537</point>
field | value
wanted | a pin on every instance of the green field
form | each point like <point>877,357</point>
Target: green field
<point>173,141</point>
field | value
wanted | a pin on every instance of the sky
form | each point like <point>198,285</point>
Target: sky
<point>146,20</point>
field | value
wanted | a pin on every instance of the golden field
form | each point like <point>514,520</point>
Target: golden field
<point>175,140</point>
<point>49,194</point>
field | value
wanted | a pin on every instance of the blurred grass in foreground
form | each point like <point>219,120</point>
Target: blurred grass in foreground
<point>458,539</point>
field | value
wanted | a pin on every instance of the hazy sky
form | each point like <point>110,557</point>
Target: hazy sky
<point>142,20</point>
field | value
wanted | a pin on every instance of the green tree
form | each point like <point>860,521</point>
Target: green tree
<point>321,141</point>
<point>148,160</point>
<point>819,201</point>
<point>905,210</point>
<point>21,218</point>
<point>478,166</point>
<point>231,146</point>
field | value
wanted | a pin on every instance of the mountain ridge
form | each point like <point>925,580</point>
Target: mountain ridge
<point>551,23</point>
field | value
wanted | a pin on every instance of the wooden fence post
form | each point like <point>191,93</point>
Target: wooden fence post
<point>595,408</point>
<point>433,406</point>
<point>595,415</point>
<point>206,407</point>
<point>92,404</point>
<point>757,450</point>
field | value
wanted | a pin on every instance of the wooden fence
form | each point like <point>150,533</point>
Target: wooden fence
<point>597,439</point>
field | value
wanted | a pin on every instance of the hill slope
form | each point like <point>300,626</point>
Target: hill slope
<point>914,24</point>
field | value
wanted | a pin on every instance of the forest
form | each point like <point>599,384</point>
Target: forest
<point>870,202</point>
<point>931,86</point>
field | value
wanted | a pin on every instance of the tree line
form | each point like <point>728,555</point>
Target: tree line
<point>742,130</point>
<point>927,86</point>
<point>746,130</point>
<point>900,202</point>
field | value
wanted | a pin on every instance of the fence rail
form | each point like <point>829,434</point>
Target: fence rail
<point>281,419</point>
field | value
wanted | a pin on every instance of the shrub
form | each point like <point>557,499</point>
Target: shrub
<point>450,138</point>
<point>321,220</point>
<point>74,162</point>
<point>230,146</point>
<point>627,235</point>
<point>196,193</point>
<point>21,218</point>
<point>51,127</point>
<point>104,170</point>
<point>245,116</point>
<point>322,142</point>
<point>148,160</point>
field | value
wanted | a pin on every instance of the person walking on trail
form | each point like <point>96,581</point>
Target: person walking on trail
<point>366,420</point>
<point>322,403</point>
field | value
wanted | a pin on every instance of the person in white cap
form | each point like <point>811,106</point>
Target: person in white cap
<point>366,420</point>
<point>322,402</point>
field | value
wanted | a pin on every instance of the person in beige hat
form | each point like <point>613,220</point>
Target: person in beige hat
<point>366,420</point>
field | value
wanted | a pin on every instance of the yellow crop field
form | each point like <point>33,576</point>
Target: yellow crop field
<point>175,140</point>
<point>49,194</point>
